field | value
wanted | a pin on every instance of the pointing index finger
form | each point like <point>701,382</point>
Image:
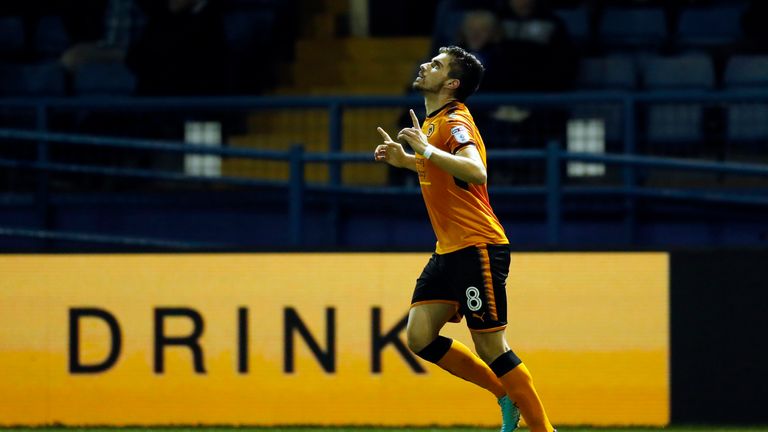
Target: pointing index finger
<point>415,120</point>
<point>384,134</point>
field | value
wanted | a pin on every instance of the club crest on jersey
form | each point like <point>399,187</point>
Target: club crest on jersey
<point>460,133</point>
<point>430,130</point>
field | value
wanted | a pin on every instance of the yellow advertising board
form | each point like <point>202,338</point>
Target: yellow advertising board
<point>295,339</point>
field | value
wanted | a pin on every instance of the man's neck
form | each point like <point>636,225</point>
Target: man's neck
<point>434,102</point>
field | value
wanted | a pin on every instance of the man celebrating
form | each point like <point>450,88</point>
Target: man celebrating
<point>466,275</point>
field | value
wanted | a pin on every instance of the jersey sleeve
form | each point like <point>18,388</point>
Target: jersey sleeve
<point>460,134</point>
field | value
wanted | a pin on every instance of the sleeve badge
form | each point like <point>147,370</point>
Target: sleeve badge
<point>460,133</point>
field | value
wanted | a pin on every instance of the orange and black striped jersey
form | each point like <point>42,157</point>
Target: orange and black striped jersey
<point>460,212</point>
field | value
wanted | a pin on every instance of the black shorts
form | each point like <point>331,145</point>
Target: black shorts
<point>474,279</point>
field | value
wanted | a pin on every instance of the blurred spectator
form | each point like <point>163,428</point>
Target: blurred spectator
<point>534,54</point>
<point>536,47</point>
<point>479,34</point>
<point>182,50</point>
<point>85,20</point>
<point>402,17</point>
<point>123,22</point>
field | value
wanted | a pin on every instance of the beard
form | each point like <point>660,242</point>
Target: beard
<point>420,86</point>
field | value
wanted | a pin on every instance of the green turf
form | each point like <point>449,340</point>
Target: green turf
<point>377,429</point>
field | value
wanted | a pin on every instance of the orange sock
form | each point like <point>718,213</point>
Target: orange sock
<point>463,363</point>
<point>518,384</point>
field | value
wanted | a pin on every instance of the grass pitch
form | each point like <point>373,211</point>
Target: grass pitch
<point>376,429</point>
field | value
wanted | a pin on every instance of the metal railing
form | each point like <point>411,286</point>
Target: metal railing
<point>554,156</point>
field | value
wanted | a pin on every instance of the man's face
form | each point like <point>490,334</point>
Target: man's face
<point>523,8</point>
<point>178,6</point>
<point>478,31</point>
<point>433,75</point>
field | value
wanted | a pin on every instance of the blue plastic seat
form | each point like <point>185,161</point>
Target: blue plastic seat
<point>44,79</point>
<point>576,22</point>
<point>244,29</point>
<point>51,37</point>
<point>748,121</point>
<point>104,79</point>
<point>642,27</point>
<point>747,71</point>
<point>690,71</point>
<point>606,73</point>
<point>11,35</point>
<point>709,26</point>
<point>676,123</point>
<point>611,72</point>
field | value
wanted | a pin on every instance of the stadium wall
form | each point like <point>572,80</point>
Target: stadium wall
<point>152,339</point>
<point>258,220</point>
<point>718,337</point>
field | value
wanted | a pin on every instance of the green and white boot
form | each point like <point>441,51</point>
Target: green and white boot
<point>510,415</point>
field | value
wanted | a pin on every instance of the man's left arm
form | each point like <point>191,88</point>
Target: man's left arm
<point>466,164</point>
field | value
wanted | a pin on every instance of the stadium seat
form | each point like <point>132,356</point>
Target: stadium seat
<point>691,71</point>
<point>577,22</point>
<point>611,72</point>
<point>747,122</point>
<point>606,73</point>
<point>709,26</point>
<point>45,79</point>
<point>51,37</point>
<point>11,35</point>
<point>250,4</point>
<point>642,27</point>
<point>246,30</point>
<point>745,71</point>
<point>104,79</point>
<point>250,37</point>
<point>675,123</point>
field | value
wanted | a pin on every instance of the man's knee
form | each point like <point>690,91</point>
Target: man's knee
<point>505,363</point>
<point>489,353</point>
<point>424,324</point>
<point>489,347</point>
<point>419,333</point>
<point>433,350</point>
<point>419,337</point>
<point>427,343</point>
<point>417,341</point>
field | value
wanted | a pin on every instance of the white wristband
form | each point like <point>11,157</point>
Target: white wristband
<point>428,151</point>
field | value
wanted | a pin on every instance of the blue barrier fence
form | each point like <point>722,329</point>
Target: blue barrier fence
<point>554,155</point>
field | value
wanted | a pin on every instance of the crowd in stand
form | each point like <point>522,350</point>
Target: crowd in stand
<point>174,47</point>
<point>142,47</point>
<point>621,45</point>
<point>536,45</point>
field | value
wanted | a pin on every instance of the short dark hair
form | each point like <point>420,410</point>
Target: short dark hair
<point>466,68</point>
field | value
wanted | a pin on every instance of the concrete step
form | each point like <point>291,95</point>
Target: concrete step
<point>411,49</point>
<point>354,73</point>
<point>336,90</point>
<point>280,130</point>
<point>336,6</point>
<point>275,129</point>
<point>352,173</point>
<point>282,140</point>
<point>271,170</point>
<point>323,26</point>
<point>295,121</point>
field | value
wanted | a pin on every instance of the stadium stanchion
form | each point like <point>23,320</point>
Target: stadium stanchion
<point>296,194</point>
<point>629,173</point>
<point>335,137</point>
<point>554,193</point>
<point>42,196</point>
